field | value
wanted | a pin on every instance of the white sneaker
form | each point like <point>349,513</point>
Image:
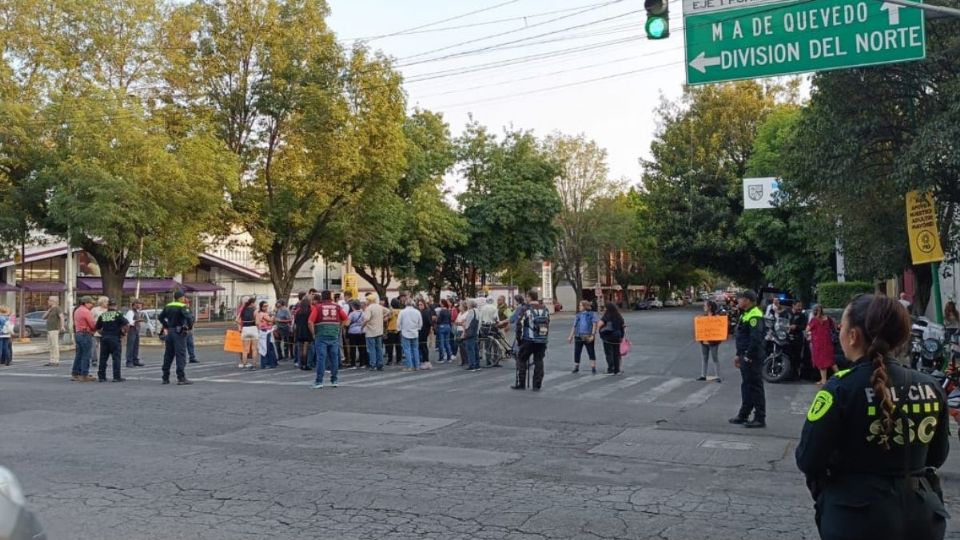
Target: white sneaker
<point>241,365</point>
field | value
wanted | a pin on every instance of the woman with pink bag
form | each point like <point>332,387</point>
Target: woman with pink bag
<point>612,333</point>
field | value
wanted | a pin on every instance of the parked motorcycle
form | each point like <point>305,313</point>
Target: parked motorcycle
<point>950,380</point>
<point>778,366</point>
<point>929,351</point>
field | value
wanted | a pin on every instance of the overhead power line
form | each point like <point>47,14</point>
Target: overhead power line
<point>477,24</point>
<point>441,21</point>
<point>500,34</point>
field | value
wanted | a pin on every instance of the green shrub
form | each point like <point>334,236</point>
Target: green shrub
<point>838,295</point>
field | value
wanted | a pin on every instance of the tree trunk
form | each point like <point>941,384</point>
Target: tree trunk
<point>112,271</point>
<point>374,280</point>
<point>282,272</point>
<point>112,278</point>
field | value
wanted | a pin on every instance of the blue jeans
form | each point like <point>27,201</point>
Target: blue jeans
<point>6,350</point>
<point>445,341</point>
<point>411,353</point>
<point>375,351</point>
<point>268,360</point>
<point>473,358</point>
<point>133,346</point>
<point>81,358</point>
<point>191,348</point>
<point>328,357</point>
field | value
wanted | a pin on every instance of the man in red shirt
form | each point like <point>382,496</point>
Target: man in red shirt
<point>84,325</point>
<point>326,320</point>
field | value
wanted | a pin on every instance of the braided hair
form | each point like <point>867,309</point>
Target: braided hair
<point>885,325</point>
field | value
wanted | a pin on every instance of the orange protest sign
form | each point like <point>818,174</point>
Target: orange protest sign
<point>232,342</point>
<point>710,328</point>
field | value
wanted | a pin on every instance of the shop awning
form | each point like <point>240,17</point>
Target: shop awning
<point>147,286</point>
<point>203,286</point>
<point>43,286</point>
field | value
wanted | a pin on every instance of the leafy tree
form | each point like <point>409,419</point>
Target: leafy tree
<point>511,200</point>
<point>693,183</point>
<point>412,223</point>
<point>798,240</point>
<point>84,145</point>
<point>856,153</point>
<point>317,131</point>
<point>581,182</point>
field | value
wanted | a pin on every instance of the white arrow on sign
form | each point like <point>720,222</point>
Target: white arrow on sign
<point>702,62</point>
<point>893,12</point>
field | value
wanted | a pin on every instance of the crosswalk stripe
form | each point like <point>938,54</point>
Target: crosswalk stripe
<point>608,389</point>
<point>417,381</point>
<point>383,380</point>
<point>477,382</point>
<point>499,385</point>
<point>659,391</point>
<point>577,381</point>
<point>50,375</point>
<point>697,398</point>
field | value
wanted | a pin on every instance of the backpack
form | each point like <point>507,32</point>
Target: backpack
<point>538,322</point>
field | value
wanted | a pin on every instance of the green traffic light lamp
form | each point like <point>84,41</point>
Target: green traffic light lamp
<point>658,26</point>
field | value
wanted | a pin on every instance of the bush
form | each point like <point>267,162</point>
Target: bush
<point>838,295</point>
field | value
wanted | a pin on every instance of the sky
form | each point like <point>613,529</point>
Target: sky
<point>574,66</point>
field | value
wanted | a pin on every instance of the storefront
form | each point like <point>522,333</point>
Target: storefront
<point>154,292</point>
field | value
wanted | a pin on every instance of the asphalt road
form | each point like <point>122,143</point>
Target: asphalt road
<point>444,454</point>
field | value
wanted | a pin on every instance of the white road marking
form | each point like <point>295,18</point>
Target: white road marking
<point>697,398</point>
<point>608,389</point>
<point>659,391</point>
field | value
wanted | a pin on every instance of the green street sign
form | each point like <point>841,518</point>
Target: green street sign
<point>770,38</point>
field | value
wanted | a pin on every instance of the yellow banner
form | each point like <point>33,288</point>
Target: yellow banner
<point>922,228</point>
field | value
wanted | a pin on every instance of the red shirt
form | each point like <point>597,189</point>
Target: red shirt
<point>83,320</point>
<point>327,312</point>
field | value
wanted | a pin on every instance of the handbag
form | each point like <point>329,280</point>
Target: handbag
<point>625,347</point>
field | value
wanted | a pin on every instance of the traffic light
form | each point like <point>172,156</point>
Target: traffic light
<point>658,19</point>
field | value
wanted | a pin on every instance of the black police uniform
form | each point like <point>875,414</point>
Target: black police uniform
<point>750,348</point>
<point>111,325</point>
<point>176,321</point>
<point>862,488</point>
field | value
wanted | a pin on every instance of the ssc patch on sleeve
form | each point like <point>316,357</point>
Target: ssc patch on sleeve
<point>754,322</point>
<point>821,404</point>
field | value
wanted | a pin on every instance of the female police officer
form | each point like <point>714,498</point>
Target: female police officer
<point>872,434</point>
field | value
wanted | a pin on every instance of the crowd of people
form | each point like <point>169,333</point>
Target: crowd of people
<point>326,333</point>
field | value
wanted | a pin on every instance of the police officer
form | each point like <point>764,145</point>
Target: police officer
<point>749,360</point>
<point>177,322</point>
<point>112,325</point>
<point>874,435</point>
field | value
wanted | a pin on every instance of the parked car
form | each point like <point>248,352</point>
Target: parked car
<point>642,305</point>
<point>33,325</point>
<point>655,304</point>
<point>16,521</point>
<point>152,327</point>
<point>671,303</point>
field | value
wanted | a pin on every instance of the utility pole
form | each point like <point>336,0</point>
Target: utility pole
<point>70,282</point>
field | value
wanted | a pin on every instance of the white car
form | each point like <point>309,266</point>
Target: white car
<point>655,304</point>
<point>671,303</point>
<point>151,327</point>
